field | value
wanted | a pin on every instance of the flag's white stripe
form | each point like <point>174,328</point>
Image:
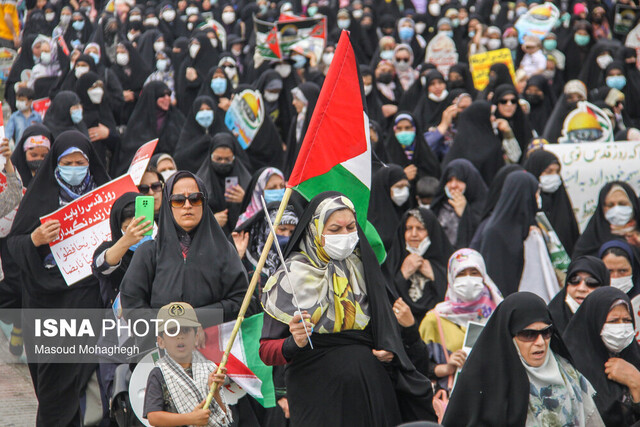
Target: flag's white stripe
<point>250,384</point>
<point>360,166</point>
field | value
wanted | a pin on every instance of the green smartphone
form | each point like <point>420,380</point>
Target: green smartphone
<point>144,207</point>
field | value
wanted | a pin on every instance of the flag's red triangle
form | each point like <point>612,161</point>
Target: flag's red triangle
<point>336,131</point>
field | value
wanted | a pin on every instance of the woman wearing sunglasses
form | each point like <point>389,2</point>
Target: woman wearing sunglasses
<point>190,260</point>
<point>511,120</point>
<point>584,275</point>
<point>601,339</point>
<point>151,184</point>
<point>520,373</point>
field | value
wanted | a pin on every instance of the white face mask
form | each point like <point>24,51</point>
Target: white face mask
<point>228,17</point>
<point>619,215</point>
<point>214,42</point>
<point>367,89</point>
<point>22,105</point>
<point>158,46</point>
<point>434,9</point>
<point>617,336</point>
<point>493,44</point>
<point>440,98</point>
<point>96,94</point>
<point>625,284</point>
<point>510,42</point>
<point>468,288</point>
<point>327,58</point>
<point>191,10</point>
<point>161,64</point>
<point>168,174</point>
<point>550,183</point>
<point>122,59</point>
<point>283,69</point>
<point>400,195</point>
<point>573,304</point>
<point>169,15</point>
<point>402,66</point>
<point>131,36</point>
<point>340,246</point>
<point>80,71</point>
<point>358,13</point>
<point>50,16</point>
<point>422,247</point>
<point>604,61</point>
<point>271,97</point>
<point>45,58</point>
<point>151,22</point>
<point>193,50</point>
<point>420,27</point>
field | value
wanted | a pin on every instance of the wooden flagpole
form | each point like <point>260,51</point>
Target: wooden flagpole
<point>250,290</point>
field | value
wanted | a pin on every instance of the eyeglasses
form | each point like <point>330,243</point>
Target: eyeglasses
<point>223,160</point>
<point>155,186</point>
<point>589,281</point>
<point>531,335</point>
<point>507,101</point>
<point>179,200</point>
<point>402,59</point>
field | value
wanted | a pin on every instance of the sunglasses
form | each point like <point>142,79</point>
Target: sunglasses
<point>507,101</point>
<point>402,59</point>
<point>155,186</point>
<point>178,200</point>
<point>531,335</point>
<point>589,281</point>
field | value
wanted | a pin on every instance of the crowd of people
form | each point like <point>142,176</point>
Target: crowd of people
<point>459,175</point>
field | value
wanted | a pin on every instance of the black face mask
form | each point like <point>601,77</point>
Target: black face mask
<point>385,78</point>
<point>456,84</point>
<point>572,105</point>
<point>222,169</point>
<point>534,99</point>
<point>34,164</point>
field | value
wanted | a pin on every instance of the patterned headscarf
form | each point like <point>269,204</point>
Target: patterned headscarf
<point>333,292</point>
<point>455,309</point>
<point>256,205</point>
<point>259,232</point>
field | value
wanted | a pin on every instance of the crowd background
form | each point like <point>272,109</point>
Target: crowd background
<point>458,177</point>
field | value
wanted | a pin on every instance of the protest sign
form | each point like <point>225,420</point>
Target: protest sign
<point>441,52</point>
<point>141,161</point>
<point>624,18</point>
<point>7,56</point>
<point>480,63</point>
<point>245,116</point>
<point>538,21</point>
<point>276,41</point>
<point>586,123</point>
<point>84,225</point>
<point>587,167</point>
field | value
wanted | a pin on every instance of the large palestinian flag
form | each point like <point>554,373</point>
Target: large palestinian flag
<point>336,152</point>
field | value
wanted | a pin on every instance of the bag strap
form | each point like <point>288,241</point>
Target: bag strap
<point>444,345</point>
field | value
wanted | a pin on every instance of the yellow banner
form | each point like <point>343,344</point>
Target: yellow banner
<point>480,64</point>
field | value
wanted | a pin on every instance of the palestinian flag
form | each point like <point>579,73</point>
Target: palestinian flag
<point>336,152</point>
<point>244,366</point>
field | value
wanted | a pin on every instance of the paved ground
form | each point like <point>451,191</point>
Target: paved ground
<point>17,401</point>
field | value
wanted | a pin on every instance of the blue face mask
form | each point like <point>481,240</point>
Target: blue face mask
<point>282,240</point>
<point>581,39</point>
<point>406,33</point>
<point>133,248</point>
<point>76,116</point>
<point>405,138</point>
<point>73,175</point>
<point>204,118</point>
<point>219,85</point>
<point>616,82</point>
<point>447,33</point>
<point>312,10</point>
<point>78,25</point>
<point>95,56</point>
<point>273,195</point>
<point>299,61</point>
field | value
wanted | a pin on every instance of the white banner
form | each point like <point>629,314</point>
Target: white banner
<point>588,166</point>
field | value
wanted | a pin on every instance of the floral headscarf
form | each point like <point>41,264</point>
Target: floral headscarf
<point>256,204</point>
<point>333,292</point>
<point>455,309</point>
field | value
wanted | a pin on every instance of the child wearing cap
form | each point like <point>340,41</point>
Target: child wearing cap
<point>178,386</point>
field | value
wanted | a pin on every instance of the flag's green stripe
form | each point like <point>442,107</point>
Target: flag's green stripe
<point>340,179</point>
<point>251,331</point>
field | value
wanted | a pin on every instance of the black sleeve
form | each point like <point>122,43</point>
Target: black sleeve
<point>418,352</point>
<point>135,289</point>
<point>154,397</point>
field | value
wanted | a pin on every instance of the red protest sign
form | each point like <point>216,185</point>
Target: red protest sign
<point>141,160</point>
<point>41,106</point>
<point>84,225</point>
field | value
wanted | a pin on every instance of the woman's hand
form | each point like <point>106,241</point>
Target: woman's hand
<point>503,126</point>
<point>633,238</point>
<point>128,96</point>
<point>427,270</point>
<point>458,202</point>
<point>234,194</point>
<point>283,403</point>
<point>135,230</point>
<point>403,313</point>
<point>224,104</point>
<point>383,355</point>
<point>222,217</point>
<point>98,133</point>
<point>623,372</point>
<point>191,74</point>
<point>458,358</point>
<point>241,240</point>
<point>410,265</point>
<point>5,151</point>
<point>411,171</point>
<point>46,233</point>
<point>297,328</point>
